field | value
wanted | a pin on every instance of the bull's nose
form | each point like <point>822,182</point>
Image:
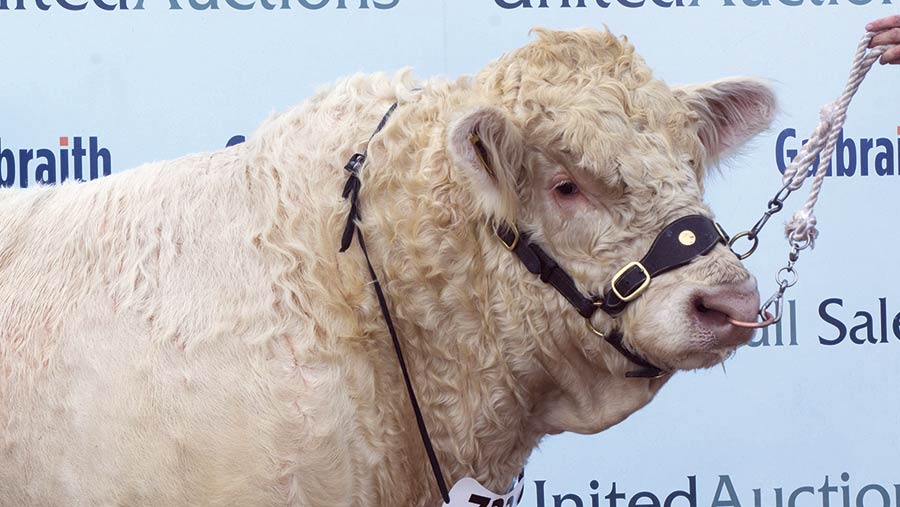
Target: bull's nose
<point>714,306</point>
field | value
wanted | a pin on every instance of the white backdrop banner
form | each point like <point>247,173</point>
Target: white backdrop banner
<point>807,416</point>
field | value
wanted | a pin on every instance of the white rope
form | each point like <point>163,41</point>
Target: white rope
<point>802,227</point>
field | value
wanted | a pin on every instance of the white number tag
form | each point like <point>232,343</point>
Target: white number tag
<point>469,493</point>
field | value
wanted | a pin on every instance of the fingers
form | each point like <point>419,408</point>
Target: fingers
<point>891,36</point>
<point>892,56</point>
<point>884,23</point>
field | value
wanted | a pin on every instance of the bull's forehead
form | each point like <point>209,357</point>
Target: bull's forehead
<point>605,125</point>
<point>587,94</point>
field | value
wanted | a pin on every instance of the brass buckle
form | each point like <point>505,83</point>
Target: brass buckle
<point>515,241</point>
<point>637,292</point>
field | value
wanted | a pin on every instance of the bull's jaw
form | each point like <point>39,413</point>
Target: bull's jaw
<point>586,400</point>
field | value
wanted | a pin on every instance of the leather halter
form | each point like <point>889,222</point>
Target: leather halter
<point>677,244</point>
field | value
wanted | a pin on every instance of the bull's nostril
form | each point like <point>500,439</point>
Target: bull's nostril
<point>699,306</point>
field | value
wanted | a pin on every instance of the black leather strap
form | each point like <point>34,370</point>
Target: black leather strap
<point>537,262</point>
<point>615,339</point>
<point>420,421</point>
<point>351,192</point>
<point>351,188</point>
<point>677,244</point>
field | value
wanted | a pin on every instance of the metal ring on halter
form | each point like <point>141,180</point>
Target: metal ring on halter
<point>594,330</point>
<point>802,244</point>
<point>748,253</point>
<point>784,282</point>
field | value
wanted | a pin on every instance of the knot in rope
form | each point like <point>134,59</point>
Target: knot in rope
<point>827,114</point>
<point>802,228</point>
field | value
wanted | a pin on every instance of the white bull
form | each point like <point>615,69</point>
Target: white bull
<point>186,333</point>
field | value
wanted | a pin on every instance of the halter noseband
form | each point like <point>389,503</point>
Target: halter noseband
<point>677,244</point>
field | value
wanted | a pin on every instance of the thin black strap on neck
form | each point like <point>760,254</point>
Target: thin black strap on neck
<point>351,188</point>
<point>351,192</point>
<point>615,339</point>
<point>420,421</point>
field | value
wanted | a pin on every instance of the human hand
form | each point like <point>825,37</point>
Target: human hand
<point>888,30</point>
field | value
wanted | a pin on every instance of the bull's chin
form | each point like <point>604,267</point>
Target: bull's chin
<point>698,360</point>
<point>708,350</point>
<point>699,350</point>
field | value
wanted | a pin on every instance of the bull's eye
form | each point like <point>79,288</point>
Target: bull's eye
<point>566,188</point>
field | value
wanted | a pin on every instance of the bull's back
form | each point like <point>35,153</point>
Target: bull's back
<point>128,372</point>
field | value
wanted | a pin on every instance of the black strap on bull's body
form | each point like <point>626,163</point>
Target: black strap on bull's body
<point>351,192</point>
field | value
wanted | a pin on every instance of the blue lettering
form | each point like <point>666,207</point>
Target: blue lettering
<point>7,166</point>
<point>77,154</point>
<point>826,491</point>
<point>63,164</point>
<point>96,156</point>
<point>25,156</point>
<point>614,496</point>
<point>238,139</point>
<point>848,167</point>
<point>539,492</point>
<point>210,4</point>
<point>559,499</point>
<point>732,499</point>
<point>823,313</point>
<point>780,153</point>
<point>885,497</point>
<point>50,166</point>
<point>792,500</point>
<point>865,324</point>
<point>865,146</point>
<point>46,172</point>
<point>72,7</point>
<point>691,494</point>
<point>653,501</point>
<point>884,161</point>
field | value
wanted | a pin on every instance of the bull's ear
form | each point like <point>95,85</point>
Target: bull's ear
<point>487,147</point>
<point>731,111</point>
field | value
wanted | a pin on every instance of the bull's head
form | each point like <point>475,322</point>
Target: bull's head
<point>577,144</point>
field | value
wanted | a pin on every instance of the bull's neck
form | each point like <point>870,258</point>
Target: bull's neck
<point>440,290</point>
<point>496,360</point>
